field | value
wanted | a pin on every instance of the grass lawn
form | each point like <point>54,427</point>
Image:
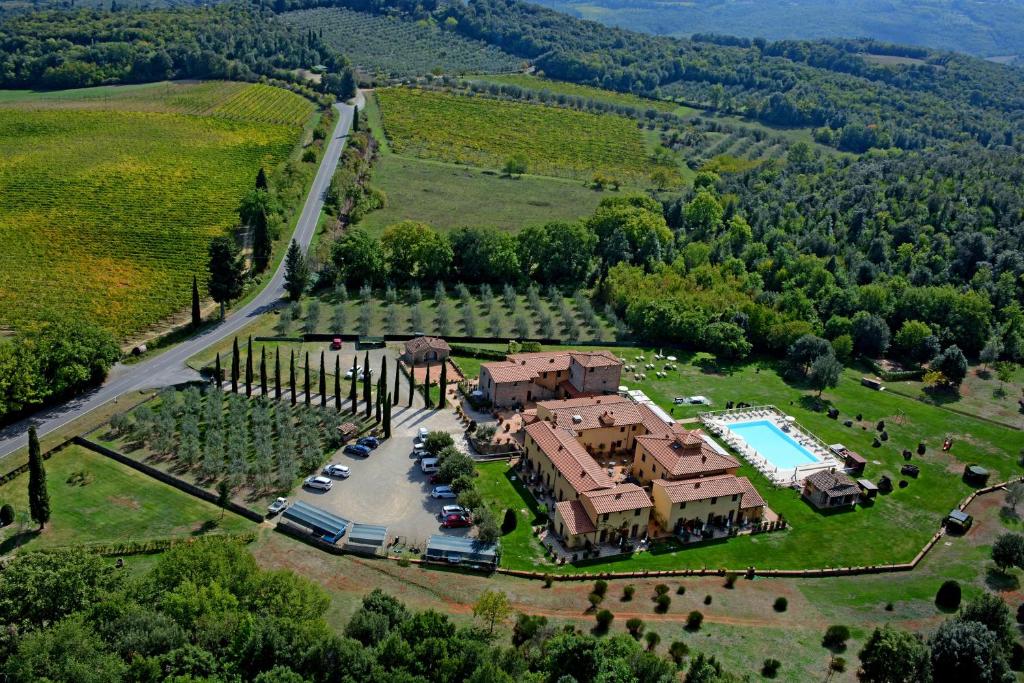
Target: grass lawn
<point>94,499</point>
<point>891,530</point>
<point>981,394</point>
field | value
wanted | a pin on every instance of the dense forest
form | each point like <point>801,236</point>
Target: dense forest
<point>81,48</point>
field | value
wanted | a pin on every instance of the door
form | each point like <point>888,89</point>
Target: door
<point>632,532</point>
<point>604,535</point>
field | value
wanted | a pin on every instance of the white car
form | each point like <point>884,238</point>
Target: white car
<point>317,482</point>
<point>277,506</point>
<point>453,510</point>
<point>443,492</point>
<point>337,470</point>
<point>422,433</point>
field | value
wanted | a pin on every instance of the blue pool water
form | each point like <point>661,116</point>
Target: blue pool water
<point>773,444</point>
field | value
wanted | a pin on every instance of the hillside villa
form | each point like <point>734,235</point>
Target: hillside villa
<point>523,378</point>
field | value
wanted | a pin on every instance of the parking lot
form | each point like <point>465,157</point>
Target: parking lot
<point>388,487</point>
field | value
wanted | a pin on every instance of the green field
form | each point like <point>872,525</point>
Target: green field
<point>587,92</point>
<point>481,132</point>
<point>395,47</point>
<point>114,193</point>
<point>891,530</point>
<point>106,502</point>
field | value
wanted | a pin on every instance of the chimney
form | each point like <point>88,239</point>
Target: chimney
<point>696,485</point>
<point>583,473</point>
<point>618,495</point>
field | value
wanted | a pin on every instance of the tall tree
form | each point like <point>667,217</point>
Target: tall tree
<point>426,390</point>
<point>337,383</point>
<point>197,315</point>
<point>263,371</point>
<point>366,383</point>
<point>323,382</point>
<point>277,373</point>
<point>248,368</point>
<point>398,376</point>
<point>296,272</point>
<point>412,382</point>
<point>227,272</point>
<point>377,400</point>
<point>261,180</point>
<point>261,243</point>
<point>387,417</point>
<point>217,372</point>
<point>234,366</point>
<point>443,384</point>
<point>305,385</point>
<point>291,375</point>
<point>38,496</point>
<point>353,394</point>
<point>355,118</point>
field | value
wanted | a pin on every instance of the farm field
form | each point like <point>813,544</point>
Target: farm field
<point>114,193</point>
<point>485,133</point>
<point>94,499</point>
<point>905,519</point>
<point>394,47</point>
<point>530,82</point>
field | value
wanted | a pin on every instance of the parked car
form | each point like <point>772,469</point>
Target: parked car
<point>455,522</point>
<point>454,510</point>
<point>277,506</point>
<point>370,442</point>
<point>318,482</point>
<point>350,372</point>
<point>419,452</point>
<point>336,344</point>
<point>442,492</point>
<point>428,465</point>
<point>356,449</point>
<point>337,470</point>
<point>423,433</point>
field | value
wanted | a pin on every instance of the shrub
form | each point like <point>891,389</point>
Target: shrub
<point>948,596</point>
<point>780,605</point>
<point>677,651</point>
<point>508,524</point>
<point>601,587</point>
<point>681,590</point>
<point>604,620</point>
<point>595,599</point>
<point>627,592</point>
<point>770,668</point>
<point>693,620</point>
<point>838,664</point>
<point>663,603</point>
<point>730,580</point>
<point>652,639</point>
<point>707,599</point>
<point>635,627</point>
<point>6,514</point>
<point>835,637</point>
<point>548,580</point>
<point>661,589</point>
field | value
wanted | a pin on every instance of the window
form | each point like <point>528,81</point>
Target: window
<point>636,513</point>
<point>622,429</point>
<point>682,506</point>
<point>735,497</point>
<point>643,457</point>
<point>714,500</point>
<point>604,517</point>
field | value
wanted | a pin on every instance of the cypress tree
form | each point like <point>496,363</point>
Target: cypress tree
<point>353,395</point>
<point>306,377</point>
<point>366,383</point>
<point>337,383</point>
<point>377,400</point>
<point>261,180</point>
<point>263,371</point>
<point>383,381</point>
<point>444,384</point>
<point>398,376</point>
<point>323,382</point>
<point>234,367</point>
<point>261,245</point>
<point>197,316</point>
<point>426,390</point>
<point>248,369</point>
<point>412,382</point>
<point>387,417</point>
<point>217,372</point>
<point>291,375</point>
<point>277,373</point>
<point>355,118</point>
<point>38,496</point>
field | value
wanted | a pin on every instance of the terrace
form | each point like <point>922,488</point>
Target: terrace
<point>773,442</point>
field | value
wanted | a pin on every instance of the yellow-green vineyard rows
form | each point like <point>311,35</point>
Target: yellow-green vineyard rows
<point>483,132</point>
<point>107,214</point>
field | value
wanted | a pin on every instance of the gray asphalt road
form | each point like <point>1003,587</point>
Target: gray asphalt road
<point>169,367</point>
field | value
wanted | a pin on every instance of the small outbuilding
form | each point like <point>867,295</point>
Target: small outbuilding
<point>958,520</point>
<point>976,475</point>
<point>867,488</point>
<point>367,539</point>
<point>421,350</point>
<point>328,526</point>
<point>828,490</point>
<point>463,551</point>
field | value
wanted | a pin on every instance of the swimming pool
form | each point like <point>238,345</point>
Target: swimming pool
<point>773,444</point>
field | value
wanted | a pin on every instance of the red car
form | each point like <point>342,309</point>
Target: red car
<point>455,521</point>
<point>336,343</point>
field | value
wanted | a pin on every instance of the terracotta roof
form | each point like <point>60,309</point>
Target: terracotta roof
<point>595,359</point>
<point>575,517</point>
<point>503,372</point>
<point>569,457</point>
<point>686,490</point>
<point>835,484</point>
<point>618,499</point>
<point>595,413</point>
<point>418,343</point>
<point>685,454</point>
<point>519,367</point>
<point>751,498</point>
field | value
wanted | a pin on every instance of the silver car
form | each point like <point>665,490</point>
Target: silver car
<point>317,482</point>
<point>337,470</point>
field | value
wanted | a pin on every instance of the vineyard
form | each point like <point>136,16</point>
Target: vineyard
<point>482,132</point>
<point>528,82</point>
<point>107,212</point>
<point>399,48</point>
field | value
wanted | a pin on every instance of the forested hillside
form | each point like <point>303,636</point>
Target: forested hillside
<point>971,26</point>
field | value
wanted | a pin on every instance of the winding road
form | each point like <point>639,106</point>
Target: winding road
<point>169,367</point>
